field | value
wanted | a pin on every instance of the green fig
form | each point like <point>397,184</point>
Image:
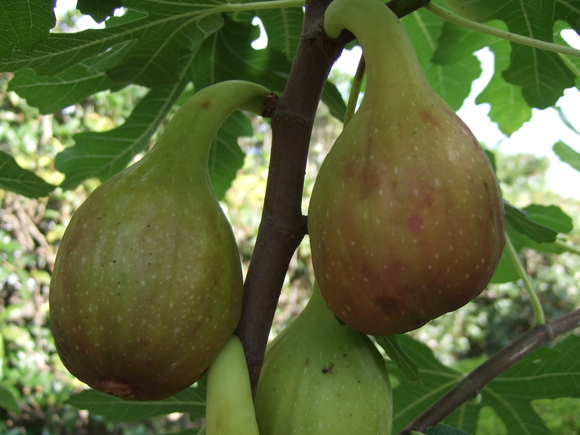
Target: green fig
<point>229,405</point>
<point>322,377</point>
<point>406,218</point>
<point>147,283</point>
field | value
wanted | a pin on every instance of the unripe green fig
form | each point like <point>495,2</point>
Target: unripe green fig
<point>406,219</point>
<point>321,377</point>
<point>229,405</point>
<point>147,283</point>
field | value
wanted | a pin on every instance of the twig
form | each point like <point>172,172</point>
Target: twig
<point>283,226</point>
<point>473,383</point>
<point>512,37</point>
<point>539,318</point>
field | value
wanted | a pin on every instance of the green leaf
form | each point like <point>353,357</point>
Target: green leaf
<point>505,271</point>
<point>398,355</point>
<point>160,40</point>
<point>52,93</point>
<point>542,75</point>
<point>104,154</point>
<point>411,398</point>
<point>544,374</point>
<point>283,27</point>
<point>521,222</point>
<point>8,401</point>
<point>98,9</point>
<point>442,429</point>
<point>226,157</point>
<point>567,154</point>
<point>21,181</point>
<point>508,108</point>
<point>550,216</point>
<point>228,55</point>
<point>333,99</point>
<point>24,24</point>
<point>457,43</point>
<point>190,400</point>
<point>452,82</point>
<point>536,226</point>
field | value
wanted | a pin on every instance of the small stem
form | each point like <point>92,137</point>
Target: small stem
<point>565,246</point>
<point>539,318</point>
<point>488,30</point>
<point>254,6</point>
<point>355,90</point>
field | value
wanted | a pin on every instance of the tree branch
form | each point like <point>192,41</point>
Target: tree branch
<point>472,385</point>
<point>283,226</point>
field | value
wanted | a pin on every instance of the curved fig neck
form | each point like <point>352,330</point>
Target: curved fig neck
<point>389,55</point>
<point>190,133</point>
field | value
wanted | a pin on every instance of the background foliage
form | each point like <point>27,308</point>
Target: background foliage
<point>77,107</point>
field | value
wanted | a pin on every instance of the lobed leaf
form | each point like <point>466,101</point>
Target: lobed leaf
<point>159,40</point>
<point>24,24</point>
<point>545,373</point>
<point>542,75</point>
<point>451,81</point>
<point>103,154</point>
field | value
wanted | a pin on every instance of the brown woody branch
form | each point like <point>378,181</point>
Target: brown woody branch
<point>283,226</point>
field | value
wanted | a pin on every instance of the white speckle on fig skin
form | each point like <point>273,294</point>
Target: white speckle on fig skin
<point>438,173</point>
<point>321,378</point>
<point>146,269</point>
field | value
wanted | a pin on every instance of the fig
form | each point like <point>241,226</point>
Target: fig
<point>229,404</point>
<point>147,283</point>
<point>406,218</point>
<point>322,377</point>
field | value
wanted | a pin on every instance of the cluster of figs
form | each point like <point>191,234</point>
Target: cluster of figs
<point>405,221</point>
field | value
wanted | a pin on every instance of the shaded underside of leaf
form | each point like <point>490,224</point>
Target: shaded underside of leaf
<point>19,180</point>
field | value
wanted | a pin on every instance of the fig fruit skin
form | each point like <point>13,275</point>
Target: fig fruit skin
<point>229,405</point>
<point>147,283</point>
<point>406,219</point>
<point>322,377</point>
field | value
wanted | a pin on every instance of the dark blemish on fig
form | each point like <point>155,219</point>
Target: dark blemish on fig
<point>328,368</point>
<point>206,104</point>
